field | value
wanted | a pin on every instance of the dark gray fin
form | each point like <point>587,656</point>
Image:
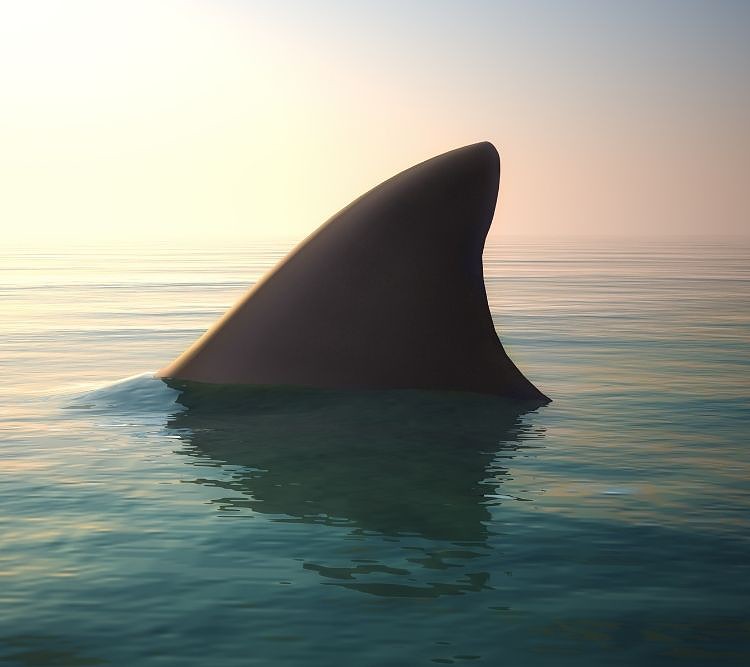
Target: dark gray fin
<point>388,293</point>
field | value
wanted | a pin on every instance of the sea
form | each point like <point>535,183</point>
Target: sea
<point>141,524</point>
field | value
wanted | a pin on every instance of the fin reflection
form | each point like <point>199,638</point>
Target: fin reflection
<point>405,473</point>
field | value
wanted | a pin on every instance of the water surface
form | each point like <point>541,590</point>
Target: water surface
<point>147,524</point>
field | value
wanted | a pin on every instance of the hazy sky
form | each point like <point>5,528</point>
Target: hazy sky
<point>204,120</point>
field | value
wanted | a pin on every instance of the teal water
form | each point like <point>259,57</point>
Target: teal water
<point>148,525</point>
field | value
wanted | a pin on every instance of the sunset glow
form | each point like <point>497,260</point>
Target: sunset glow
<point>207,121</point>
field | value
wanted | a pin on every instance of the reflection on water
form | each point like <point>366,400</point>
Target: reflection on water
<point>416,469</point>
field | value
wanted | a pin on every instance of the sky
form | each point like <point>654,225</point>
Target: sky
<point>197,121</point>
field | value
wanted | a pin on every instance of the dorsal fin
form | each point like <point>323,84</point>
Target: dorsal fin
<point>388,293</point>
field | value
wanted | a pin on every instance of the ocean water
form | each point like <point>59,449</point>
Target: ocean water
<point>146,525</point>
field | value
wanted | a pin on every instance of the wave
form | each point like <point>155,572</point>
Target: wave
<point>141,394</point>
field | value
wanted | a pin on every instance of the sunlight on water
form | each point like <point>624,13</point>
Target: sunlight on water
<point>152,524</point>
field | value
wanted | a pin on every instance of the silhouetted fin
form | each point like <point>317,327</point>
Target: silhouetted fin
<point>388,293</point>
